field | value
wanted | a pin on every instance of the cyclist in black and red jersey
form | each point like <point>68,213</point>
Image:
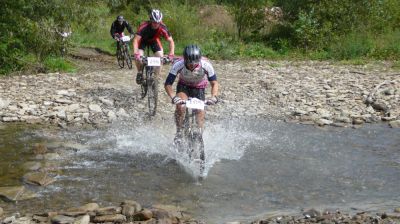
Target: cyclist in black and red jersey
<point>148,35</point>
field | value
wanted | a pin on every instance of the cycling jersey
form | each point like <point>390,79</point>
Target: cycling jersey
<point>198,78</point>
<point>116,27</point>
<point>150,36</point>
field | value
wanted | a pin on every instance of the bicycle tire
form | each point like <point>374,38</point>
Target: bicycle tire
<point>196,147</point>
<point>144,86</point>
<point>152,94</point>
<point>128,58</point>
<point>120,58</point>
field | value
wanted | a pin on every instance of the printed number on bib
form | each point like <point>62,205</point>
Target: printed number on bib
<point>153,61</point>
<point>195,103</point>
<point>126,38</point>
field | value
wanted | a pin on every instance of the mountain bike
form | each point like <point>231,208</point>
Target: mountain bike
<point>149,84</point>
<point>123,55</point>
<point>192,139</point>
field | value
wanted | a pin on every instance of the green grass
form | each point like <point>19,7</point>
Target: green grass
<point>58,64</point>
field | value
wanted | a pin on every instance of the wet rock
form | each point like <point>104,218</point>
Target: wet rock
<point>32,166</point>
<point>393,215</point>
<point>23,220</point>
<point>118,218</point>
<point>39,148</point>
<point>323,122</point>
<point>111,210</point>
<point>358,121</point>
<point>38,178</point>
<point>82,220</point>
<point>90,207</point>
<point>143,215</point>
<point>40,218</point>
<point>62,219</point>
<point>312,213</point>
<point>10,219</point>
<point>122,113</point>
<point>111,116</point>
<point>1,211</point>
<point>130,207</point>
<point>51,156</point>
<point>395,124</point>
<point>380,106</point>
<point>16,193</point>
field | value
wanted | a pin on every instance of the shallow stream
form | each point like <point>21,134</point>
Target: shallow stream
<point>254,167</point>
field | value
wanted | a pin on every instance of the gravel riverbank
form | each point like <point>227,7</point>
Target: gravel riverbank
<point>321,93</point>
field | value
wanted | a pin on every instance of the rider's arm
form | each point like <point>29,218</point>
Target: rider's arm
<point>136,40</point>
<point>171,46</point>
<point>112,30</point>
<point>168,85</point>
<point>214,88</point>
<point>128,27</point>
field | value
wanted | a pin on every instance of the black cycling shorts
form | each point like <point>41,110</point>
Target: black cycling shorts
<point>191,92</point>
<point>155,46</point>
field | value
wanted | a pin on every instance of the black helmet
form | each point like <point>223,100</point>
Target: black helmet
<point>191,54</point>
<point>120,18</point>
<point>156,15</point>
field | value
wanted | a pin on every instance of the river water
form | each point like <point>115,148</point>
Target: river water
<point>254,168</point>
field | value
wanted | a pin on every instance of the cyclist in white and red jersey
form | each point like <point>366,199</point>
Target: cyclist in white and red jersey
<point>148,35</point>
<point>194,73</point>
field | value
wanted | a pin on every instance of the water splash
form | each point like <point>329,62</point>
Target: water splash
<point>223,140</point>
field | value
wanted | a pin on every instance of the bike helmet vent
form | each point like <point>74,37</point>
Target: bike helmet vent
<point>191,54</point>
<point>156,15</point>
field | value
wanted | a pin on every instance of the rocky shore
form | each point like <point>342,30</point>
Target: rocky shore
<point>321,93</point>
<point>132,212</point>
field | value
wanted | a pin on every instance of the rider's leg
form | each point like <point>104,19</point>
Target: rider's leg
<point>180,112</point>
<point>139,67</point>
<point>200,114</point>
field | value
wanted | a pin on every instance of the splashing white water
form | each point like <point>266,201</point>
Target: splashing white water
<point>222,141</point>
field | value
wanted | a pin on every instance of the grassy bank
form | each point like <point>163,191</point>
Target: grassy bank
<point>305,31</point>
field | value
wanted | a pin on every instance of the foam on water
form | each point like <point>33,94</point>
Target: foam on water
<point>225,140</point>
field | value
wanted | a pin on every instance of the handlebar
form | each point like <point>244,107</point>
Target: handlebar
<point>164,60</point>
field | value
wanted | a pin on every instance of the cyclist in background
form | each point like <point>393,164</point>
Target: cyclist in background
<point>194,73</point>
<point>148,35</point>
<point>118,27</point>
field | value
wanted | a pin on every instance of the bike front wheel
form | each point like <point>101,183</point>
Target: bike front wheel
<point>196,150</point>
<point>120,58</point>
<point>128,58</point>
<point>152,94</point>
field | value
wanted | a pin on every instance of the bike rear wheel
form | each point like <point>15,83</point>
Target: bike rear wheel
<point>152,94</point>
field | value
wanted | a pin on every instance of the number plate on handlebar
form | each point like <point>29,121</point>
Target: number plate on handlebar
<point>153,61</point>
<point>126,38</point>
<point>195,103</point>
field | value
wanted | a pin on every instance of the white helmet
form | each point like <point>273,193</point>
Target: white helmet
<point>156,15</point>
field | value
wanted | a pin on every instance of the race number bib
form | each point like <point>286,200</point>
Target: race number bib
<point>153,61</point>
<point>195,103</point>
<point>126,38</point>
